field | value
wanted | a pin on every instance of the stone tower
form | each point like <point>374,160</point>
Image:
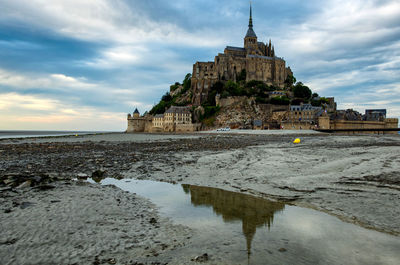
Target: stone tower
<point>136,113</point>
<point>135,122</point>
<point>250,40</point>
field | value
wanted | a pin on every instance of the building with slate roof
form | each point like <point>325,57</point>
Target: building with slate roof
<point>258,59</point>
<point>176,116</point>
<point>158,121</point>
<point>303,116</point>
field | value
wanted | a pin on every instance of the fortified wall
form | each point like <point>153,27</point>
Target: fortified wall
<point>326,123</point>
<point>136,123</point>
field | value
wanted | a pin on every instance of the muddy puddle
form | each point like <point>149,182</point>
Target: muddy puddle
<point>235,228</point>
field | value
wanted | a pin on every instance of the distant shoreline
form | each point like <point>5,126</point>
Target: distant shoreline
<point>7,135</point>
<point>12,134</point>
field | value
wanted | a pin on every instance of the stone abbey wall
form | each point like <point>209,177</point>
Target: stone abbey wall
<point>228,66</point>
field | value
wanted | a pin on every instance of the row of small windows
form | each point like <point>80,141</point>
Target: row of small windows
<point>206,68</point>
<point>160,124</point>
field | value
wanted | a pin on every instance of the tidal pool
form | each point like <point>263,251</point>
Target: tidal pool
<point>235,228</point>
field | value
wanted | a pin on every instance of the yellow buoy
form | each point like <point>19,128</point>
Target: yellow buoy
<point>76,135</point>
<point>297,141</point>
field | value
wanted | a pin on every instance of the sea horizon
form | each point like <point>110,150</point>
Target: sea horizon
<point>44,133</point>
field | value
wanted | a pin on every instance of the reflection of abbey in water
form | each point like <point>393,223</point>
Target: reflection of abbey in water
<point>252,211</point>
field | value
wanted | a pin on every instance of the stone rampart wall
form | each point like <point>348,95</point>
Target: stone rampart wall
<point>229,101</point>
<point>148,125</point>
<point>388,123</point>
<point>270,108</point>
<point>299,125</point>
<point>187,127</point>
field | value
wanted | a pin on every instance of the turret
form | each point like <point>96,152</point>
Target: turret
<point>136,113</point>
<point>269,48</point>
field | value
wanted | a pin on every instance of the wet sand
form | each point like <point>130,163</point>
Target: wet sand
<point>80,223</point>
<point>353,177</point>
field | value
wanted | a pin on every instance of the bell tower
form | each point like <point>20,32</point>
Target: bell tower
<point>250,40</point>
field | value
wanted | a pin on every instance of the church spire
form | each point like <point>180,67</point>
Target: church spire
<point>251,18</point>
<point>250,31</point>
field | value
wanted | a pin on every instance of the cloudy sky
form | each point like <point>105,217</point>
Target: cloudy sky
<point>83,65</point>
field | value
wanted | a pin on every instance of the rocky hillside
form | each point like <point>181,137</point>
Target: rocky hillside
<point>238,104</point>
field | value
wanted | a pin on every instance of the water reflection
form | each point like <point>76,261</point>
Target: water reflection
<point>305,236</point>
<point>252,211</point>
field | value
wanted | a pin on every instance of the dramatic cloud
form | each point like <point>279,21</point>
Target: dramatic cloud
<point>35,112</point>
<point>52,81</point>
<point>98,59</point>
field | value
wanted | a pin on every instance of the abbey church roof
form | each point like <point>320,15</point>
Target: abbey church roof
<point>231,48</point>
<point>251,33</point>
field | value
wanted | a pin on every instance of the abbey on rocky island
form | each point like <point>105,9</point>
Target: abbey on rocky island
<point>256,59</point>
<point>183,109</point>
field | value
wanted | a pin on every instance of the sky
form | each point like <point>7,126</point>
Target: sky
<point>83,65</point>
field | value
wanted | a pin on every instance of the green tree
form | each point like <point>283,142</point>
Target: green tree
<point>297,101</point>
<point>174,86</point>
<point>166,97</point>
<point>187,82</point>
<point>209,111</point>
<point>319,102</point>
<point>281,100</point>
<point>257,87</point>
<point>254,83</point>
<point>211,98</point>
<point>233,88</point>
<point>290,80</point>
<point>159,108</point>
<point>324,100</point>
<point>218,87</point>
<point>262,100</point>
<point>166,101</point>
<point>225,94</point>
<point>301,91</point>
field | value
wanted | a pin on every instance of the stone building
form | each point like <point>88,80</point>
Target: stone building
<point>258,59</point>
<point>304,116</point>
<point>331,106</point>
<point>375,114</point>
<point>177,119</point>
<point>158,123</point>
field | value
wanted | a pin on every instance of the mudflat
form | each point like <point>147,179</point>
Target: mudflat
<point>50,214</point>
